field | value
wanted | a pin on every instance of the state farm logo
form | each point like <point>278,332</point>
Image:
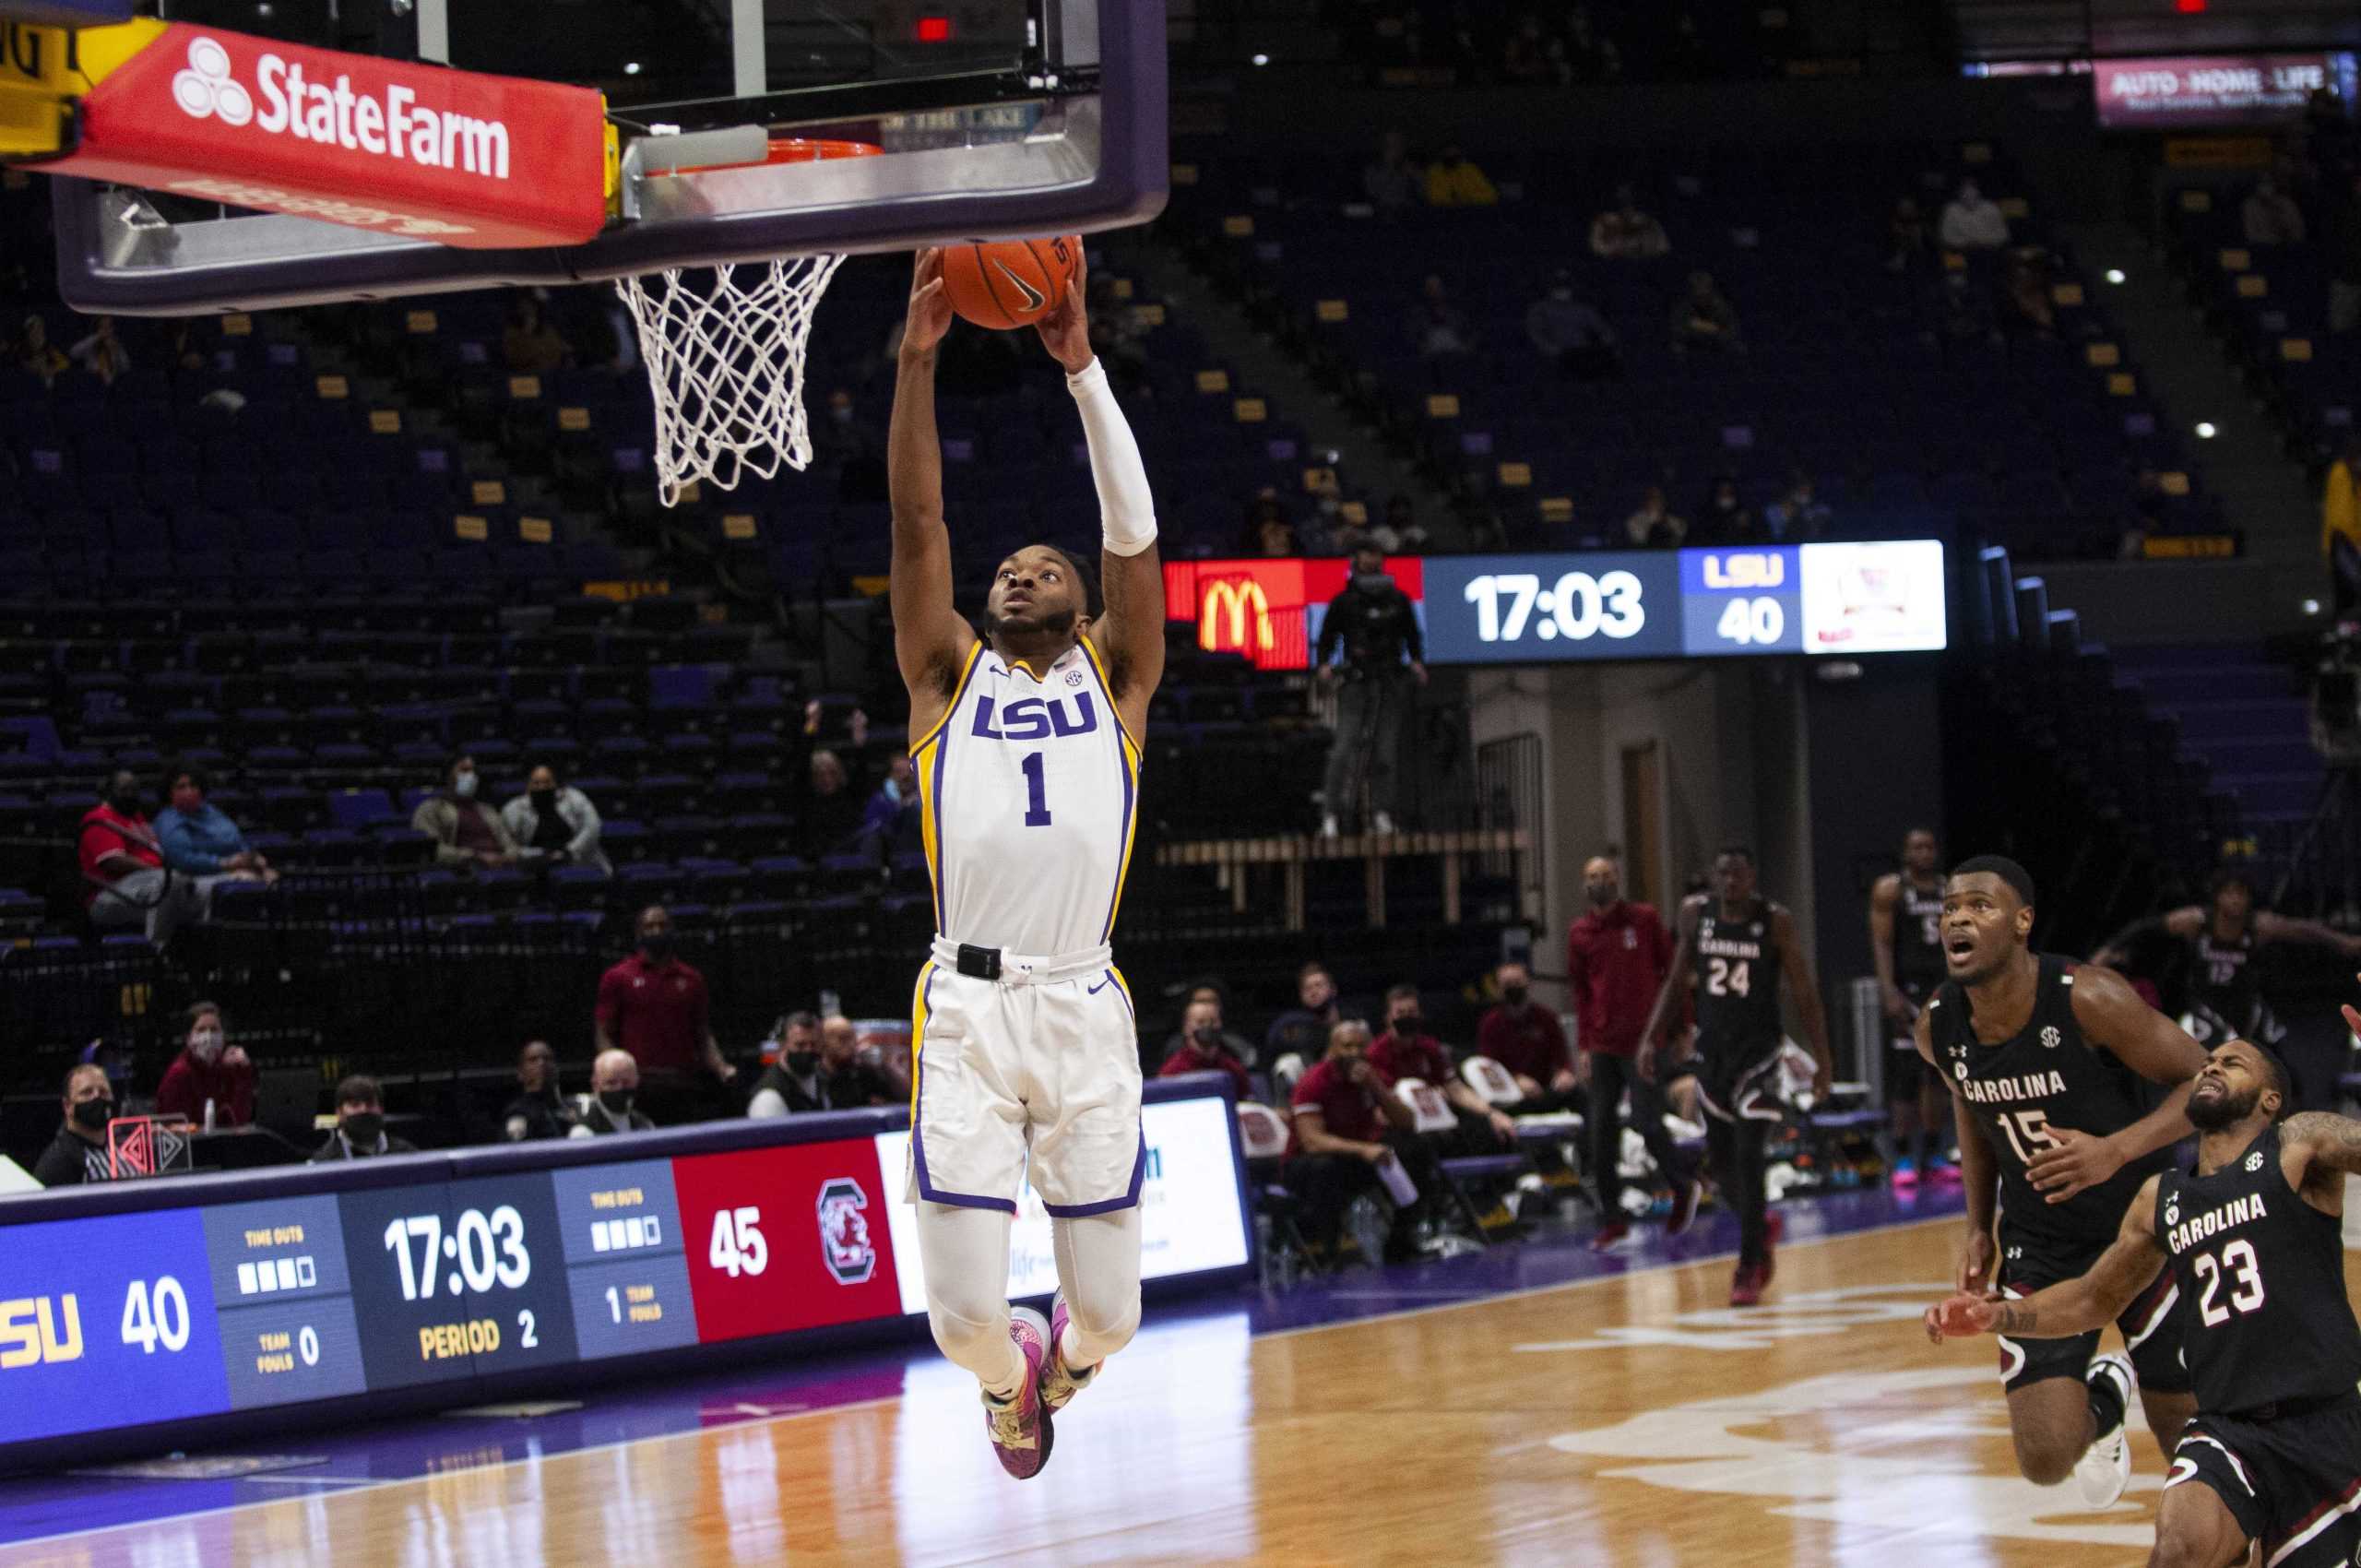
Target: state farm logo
<point>383,123</point>
<point>205,88</point>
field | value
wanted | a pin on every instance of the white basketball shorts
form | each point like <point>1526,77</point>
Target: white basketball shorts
<point>1043,1062</point>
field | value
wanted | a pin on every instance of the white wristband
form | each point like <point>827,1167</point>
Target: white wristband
<point>1126,507</point>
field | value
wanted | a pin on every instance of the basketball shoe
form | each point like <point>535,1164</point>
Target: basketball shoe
<point>1614,1233</point>
<point>1061,1382</point>
<point>1019,1425</point>
<point>2104,1469</point>
<point>1746,1285</point>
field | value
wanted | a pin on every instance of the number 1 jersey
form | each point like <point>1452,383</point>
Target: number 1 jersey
<point>1030,798</point>
<point>2045,1076</point>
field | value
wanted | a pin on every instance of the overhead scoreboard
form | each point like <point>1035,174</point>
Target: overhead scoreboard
<point>129,1320</point>
<point>1886,596</point>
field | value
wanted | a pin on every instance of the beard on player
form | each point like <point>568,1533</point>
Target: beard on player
<point>2214,1105</point>
<point>1055,622</point>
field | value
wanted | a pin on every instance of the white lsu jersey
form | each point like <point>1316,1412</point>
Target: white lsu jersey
<point>1030,791</point>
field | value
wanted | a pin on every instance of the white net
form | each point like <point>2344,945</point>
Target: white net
<point>724,348</point>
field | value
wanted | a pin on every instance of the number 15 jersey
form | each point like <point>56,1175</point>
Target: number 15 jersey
<point>2045,1076</point>
<point>1030,797</point>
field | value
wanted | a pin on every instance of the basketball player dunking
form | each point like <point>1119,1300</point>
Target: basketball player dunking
<point>1734,947</point>
<point>2042,1061</point>
<point>1026,747</point>
<point>2254,1243</point>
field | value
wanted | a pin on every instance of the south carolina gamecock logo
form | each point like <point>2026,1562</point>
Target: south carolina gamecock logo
<point>844,1234</point>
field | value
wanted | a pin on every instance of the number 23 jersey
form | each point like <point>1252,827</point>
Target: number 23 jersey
<point>2045,1076</point>
<point>1030,798</point>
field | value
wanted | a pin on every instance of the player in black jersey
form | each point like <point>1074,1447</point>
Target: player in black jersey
<point>2044,1063</point>
<point>1733,950</point>
<point>2218,943</point>
<point>2254,1242</point>
<point>1907,945</point>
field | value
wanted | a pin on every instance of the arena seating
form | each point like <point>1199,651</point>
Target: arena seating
<point>1910,406</point>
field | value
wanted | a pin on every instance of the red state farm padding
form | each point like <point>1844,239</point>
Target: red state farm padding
<point>461,159</point>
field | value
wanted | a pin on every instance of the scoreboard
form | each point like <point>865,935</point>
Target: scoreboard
<point>448,1270</point>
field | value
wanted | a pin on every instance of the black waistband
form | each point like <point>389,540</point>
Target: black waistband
<point>2290,1409</point>
<point>982,963</point>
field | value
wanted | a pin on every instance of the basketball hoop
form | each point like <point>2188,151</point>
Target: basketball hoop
<point>724,350</point>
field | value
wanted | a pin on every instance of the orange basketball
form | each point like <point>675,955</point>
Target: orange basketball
<point>1013,283</point>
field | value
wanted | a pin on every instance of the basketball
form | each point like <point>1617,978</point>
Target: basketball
<point>1010,284</point>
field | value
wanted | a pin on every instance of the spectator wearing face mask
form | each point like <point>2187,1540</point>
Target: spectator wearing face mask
<point>466,831</point>
<point>539,1110</point>
<point>1406,1050</point>
<point>654,1007</point>
<point>1203,1046</point>
<point>1972,220</point>
<point>199,839</point>
<point>1525,1038</point>
<point>555,821</point>
<point>78,1153</point>
<point>614,1093</point>
<point>208,1072</point>
<point>123,875</point>
<point>361,1125</point>
<point>822,1066</point>
<point>1375,626</point>
<point>890,824</point>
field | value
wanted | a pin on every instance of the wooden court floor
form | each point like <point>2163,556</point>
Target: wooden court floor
<point>1629,1420</point>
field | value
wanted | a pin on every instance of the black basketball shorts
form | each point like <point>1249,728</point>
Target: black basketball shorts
<point>2151,1325</point>
<point>2292,1483</point>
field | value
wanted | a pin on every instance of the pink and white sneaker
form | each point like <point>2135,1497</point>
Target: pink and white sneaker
<point>1061,1382</point>
<point>1019,1426</point>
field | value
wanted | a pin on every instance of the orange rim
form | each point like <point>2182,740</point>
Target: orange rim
<point>795,150</point>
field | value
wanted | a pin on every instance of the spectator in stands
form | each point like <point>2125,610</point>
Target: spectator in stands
<point>1655,526</point>
<point>1525,58</point>
<point>1704,318</point>
<point>1373,622</point>
<point>1798,517</point>
<point>654,1007</point>
<point>853,445</point>
<point>1392,182</point>
<point>1616,957</point>
<point>1589,53</point>
<point>33,353</point>
<point>361,1125</point>
<point>199,839</point>
<point>1623,232</point>
<point>832,812</point>
<point>1325,531</point>
<point>1267,531</point>
<point>555,823</point>
<point>614,1095</point>
<point>1346,1125</point>
<point>1406,1050</point>
<point>1570,333</point>
<point>531,344</point>
<point>1725,518</point>
<point>1972,221</point>
<point>100,352</point>
<point>1399,532</point>
<point>2344,262</point>
<point>890,823</point>
<point>2341,526</point>
<point>124,876</point>
<point>2270,216</point>
<point>1453,181</point>
<point>211,1082</point>
<point>539,1110</point>
<point>1438,327</point>
<point>1524,1036</point>
<point>1906,241</point>
<point>1203,1045</point>
<point>2025,297</point>
<point>822,1066</point>
<point>1302,1030</point>
<point>464,830</point>
<point>78,1153</point>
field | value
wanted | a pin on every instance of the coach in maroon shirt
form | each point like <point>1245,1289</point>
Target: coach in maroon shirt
<point>1405,1051</point>
<point>1346,1121</point>
<point>1617,954</point>
<point>1522,1036</point>
<point>654,1007</point>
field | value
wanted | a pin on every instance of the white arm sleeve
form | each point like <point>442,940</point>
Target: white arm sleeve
<point>1126,510</point>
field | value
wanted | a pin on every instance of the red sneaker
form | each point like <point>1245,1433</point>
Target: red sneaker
<point>1609,1234</point>
<point>1746,1285</point>
<point>1019,1426</point>
<point>1684,1206</point>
